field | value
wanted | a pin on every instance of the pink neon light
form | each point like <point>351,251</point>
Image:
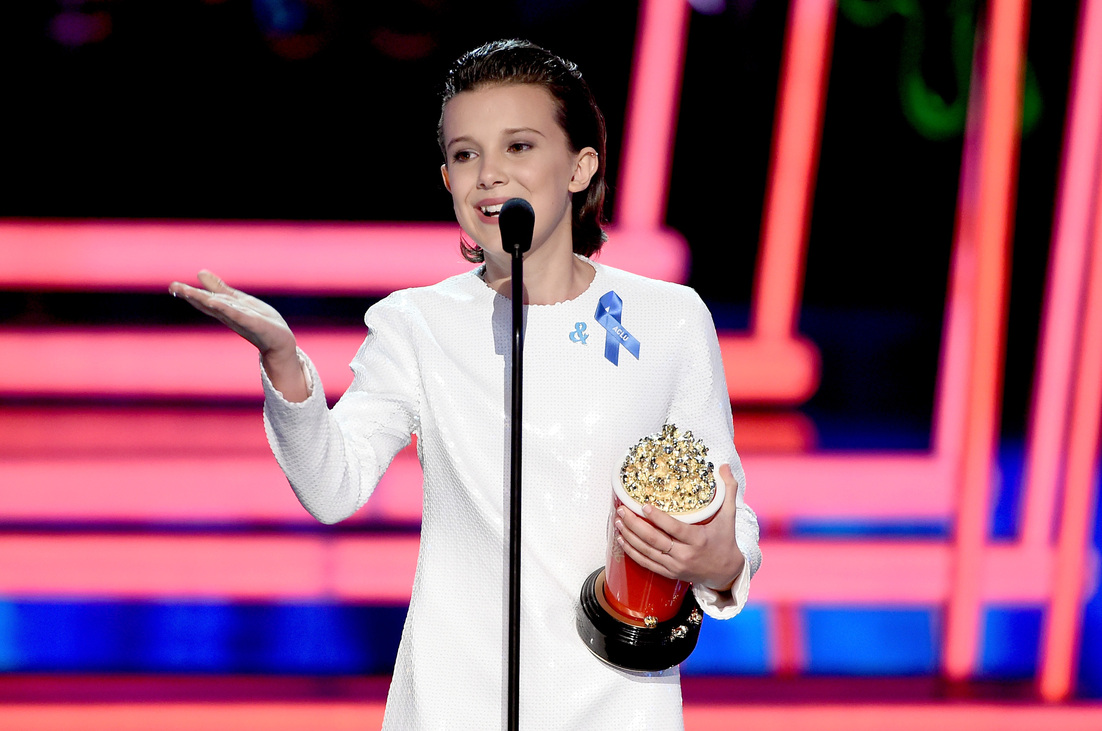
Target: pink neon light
<point>896,716</point>
<point>951,398</point>
<point>784,432</point>
<point>206,362</point>
<point>652,114</point>
<point>1062,633</point>
<point>848,486</point>
<point>800,104</point>
<point>1062,627</point>
<point>770,371</point>
<point>96,464</point>
<point>352,258</point>
<point>375,568</point>
<point>188,716</point>
<point>1002,72</point>
<point>380,568</point>
<point>360,715</point>
<point>104,474</point>
<point>893,572</point>
<point>1064,292</point>
<point>64,433</point>
<point>210,362</point>
<point>247,489</point>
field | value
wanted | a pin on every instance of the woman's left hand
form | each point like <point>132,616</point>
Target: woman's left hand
<point>702,554</point>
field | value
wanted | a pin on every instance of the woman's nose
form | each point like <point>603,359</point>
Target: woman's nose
<point>492,172</point>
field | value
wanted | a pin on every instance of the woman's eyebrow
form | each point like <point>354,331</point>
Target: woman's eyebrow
<point>467,139</point>
<point>455,140</point>
<point>518,130</point>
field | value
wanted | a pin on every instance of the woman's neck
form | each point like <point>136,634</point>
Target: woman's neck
<point>548,280</point>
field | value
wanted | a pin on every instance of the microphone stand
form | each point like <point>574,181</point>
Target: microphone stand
<point>516,221</point>
<point>514,494</point>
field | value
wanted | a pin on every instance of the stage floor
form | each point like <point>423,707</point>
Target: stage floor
<point>133,703</point>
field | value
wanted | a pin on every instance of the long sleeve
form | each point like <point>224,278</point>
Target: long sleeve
<point>335,458</point>
<point>702,404</point>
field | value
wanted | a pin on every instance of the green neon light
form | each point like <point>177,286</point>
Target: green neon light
<point>927,110</point>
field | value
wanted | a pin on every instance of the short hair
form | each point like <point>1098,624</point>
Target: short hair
<point>515,61</point>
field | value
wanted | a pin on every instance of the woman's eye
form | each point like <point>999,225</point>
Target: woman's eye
<point>462,156</point>
<point>520,147</point>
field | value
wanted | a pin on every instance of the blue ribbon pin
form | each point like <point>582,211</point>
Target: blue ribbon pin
<point>609,309</point>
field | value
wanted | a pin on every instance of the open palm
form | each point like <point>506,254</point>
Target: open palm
<point>249,317</point>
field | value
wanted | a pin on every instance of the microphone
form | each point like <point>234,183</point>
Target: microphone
<point>515,222</point>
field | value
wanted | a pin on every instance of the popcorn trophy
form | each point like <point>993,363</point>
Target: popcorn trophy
<point>629,616</point>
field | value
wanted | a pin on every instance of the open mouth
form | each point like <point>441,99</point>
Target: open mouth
<point>491,211</point>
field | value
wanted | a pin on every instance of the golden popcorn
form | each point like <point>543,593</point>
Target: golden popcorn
<point>669,471</point>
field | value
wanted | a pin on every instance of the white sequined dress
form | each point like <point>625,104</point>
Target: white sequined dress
<point>436,363</point>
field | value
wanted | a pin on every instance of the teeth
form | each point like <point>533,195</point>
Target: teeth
<point>491,210</point>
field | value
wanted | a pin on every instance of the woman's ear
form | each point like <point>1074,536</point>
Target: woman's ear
<point>444,175</point>
<point>585,167</point>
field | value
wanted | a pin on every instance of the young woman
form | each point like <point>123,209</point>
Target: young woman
<point>516,121</point>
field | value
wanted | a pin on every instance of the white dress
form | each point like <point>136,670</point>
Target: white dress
<point>436,363</point>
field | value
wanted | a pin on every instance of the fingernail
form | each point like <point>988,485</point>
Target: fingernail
<point>647,508</point>
<point>620,511</point>
<point>619,526</point>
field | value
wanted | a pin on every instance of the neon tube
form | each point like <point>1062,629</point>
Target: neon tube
<point>1069,260</point>
<point>1062,623</point>
<point>258,567</point>
<point>249,490</point>
<point>805,70</point>
<point>659,61</point>
<point>379,567</point>
<point>264,256</point>
<point>211,361</point>
<point>343,715</point>
<point>1000,97</point>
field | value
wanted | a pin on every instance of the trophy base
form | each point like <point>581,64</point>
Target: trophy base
<point>625,642</point>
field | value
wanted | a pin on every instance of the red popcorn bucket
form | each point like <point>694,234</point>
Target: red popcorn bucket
<point>637,593</point>
<point>629,616</point>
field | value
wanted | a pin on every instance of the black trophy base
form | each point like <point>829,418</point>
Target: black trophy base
<point>628,644</point>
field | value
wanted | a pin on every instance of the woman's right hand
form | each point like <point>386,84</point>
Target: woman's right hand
<point>256,321</point>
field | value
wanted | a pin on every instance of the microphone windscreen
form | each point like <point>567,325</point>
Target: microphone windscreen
<point>515,222</point>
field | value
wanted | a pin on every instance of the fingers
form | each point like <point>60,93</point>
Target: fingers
<point>703,552</point>
<point>214,283</point>
<point>649,546</point>
<point>731,486</point>
<point>198,298</point>
<point>201,299</point>
<point>665,522</point>
<point>645,531</point>
<point>215,298</point>
<point>219,301</point>
<point>728,476</point>
<point>249,317</point>
<point>644,559</point>
<point>683,531</point>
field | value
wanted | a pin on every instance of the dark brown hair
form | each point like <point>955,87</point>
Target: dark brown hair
<point>520,62</point>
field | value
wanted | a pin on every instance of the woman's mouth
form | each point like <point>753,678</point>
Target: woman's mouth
<point>491,211</point>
